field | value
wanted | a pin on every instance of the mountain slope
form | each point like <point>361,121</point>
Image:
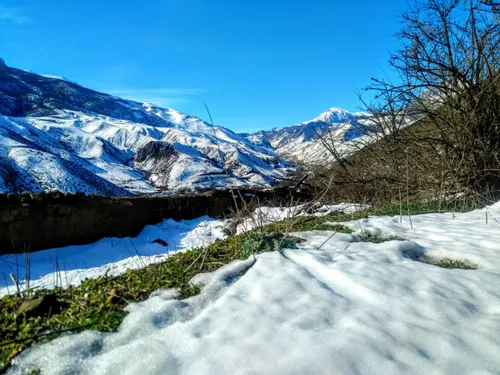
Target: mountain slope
<point>55,134</point>
<point>302,142</point>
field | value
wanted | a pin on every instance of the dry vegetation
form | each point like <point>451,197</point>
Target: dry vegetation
<point>438,126</point>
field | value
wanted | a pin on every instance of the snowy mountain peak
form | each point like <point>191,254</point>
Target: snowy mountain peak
<point>303,143</point>
<point>2,62</point>
<point>334,115</point>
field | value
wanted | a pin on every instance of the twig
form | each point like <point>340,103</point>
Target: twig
<point>12,277</point>
<point>221,156</point>
<point>400,207</point>
<point>488,212</point>
<point>204,257</point>
<point>6,284</point>
<point>328,239</point>
<point>27,262</point>
<point>408,189</point>
<point>360,228</point>
<point>194,262</point>
<point>343,251</point>
<point>142,263</point>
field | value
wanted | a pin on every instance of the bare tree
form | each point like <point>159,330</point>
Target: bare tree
<point>438,124</point>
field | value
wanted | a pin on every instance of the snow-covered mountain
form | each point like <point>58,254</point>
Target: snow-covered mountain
<point>55,134</point>
<point>302,143</point>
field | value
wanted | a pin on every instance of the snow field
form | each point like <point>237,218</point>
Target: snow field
<point>332,306</point>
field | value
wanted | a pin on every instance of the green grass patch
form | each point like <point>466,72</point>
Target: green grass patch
<point>454,264</point>
<point>417,208</point>
<point>259,241</point>
<point>377,239</point>
<point>307,223</point>
<point>337,228</point>
<point>98,304</point>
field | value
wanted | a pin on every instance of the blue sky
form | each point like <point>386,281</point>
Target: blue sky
<point>258,64</point>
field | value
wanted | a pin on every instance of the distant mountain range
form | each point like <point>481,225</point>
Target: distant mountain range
<point>57,135</point>
<point>302,143</point>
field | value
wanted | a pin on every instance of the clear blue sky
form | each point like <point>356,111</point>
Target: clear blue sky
<point>258,64</point>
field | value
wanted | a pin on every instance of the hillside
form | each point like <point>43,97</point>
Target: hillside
<point>55,134</point>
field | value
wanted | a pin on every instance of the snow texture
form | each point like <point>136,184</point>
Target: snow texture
<point>333,306</point>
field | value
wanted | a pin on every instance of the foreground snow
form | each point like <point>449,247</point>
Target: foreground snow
<point>333,306</point>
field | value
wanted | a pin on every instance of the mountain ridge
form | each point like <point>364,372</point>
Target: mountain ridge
<point>92,140</point>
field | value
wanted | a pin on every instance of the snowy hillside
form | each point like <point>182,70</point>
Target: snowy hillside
<point>302,142</point>
<point>55,134</point>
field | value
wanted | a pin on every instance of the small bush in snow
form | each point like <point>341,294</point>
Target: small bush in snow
<point>258,242</point>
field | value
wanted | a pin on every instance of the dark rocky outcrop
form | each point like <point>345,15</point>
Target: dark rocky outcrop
<point>154,150</point>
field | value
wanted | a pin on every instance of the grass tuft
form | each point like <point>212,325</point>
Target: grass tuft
<point>376,239</point>
<point>454,264</point>
<point>308,223</point>
<point>257,242</point>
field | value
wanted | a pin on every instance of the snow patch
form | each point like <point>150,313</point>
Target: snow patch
<point>71,265</point>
